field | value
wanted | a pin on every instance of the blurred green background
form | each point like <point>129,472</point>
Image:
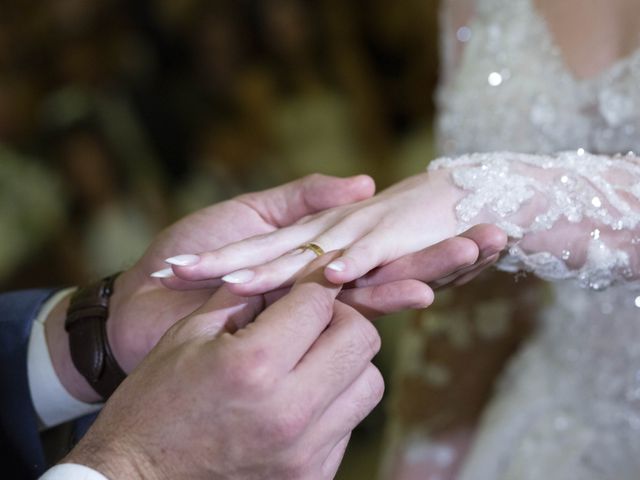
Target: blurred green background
<point>117,117</point>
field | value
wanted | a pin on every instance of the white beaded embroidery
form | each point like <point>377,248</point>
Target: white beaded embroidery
<point>574,186</point>
<point>570,406</point>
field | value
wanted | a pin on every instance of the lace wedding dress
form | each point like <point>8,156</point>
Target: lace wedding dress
<point>568,407</point>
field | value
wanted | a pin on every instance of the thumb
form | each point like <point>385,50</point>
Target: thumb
<point>223,312</point>
<point>286,204</point>
<point>286,330</point>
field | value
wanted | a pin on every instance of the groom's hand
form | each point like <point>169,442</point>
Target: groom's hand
<point>142,309</point>
<point>276,399</point>
<point>451,262</point>
<point>454,261</point>
<point>147,309</point>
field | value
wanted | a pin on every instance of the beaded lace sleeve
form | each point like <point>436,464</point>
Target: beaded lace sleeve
<point>570,215</point>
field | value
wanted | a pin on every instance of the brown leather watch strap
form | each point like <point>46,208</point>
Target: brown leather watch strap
<point>86,325</point>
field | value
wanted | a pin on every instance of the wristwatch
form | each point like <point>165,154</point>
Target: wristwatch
<point>86,324</point>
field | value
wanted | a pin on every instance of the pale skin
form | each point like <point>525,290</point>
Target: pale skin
<point>419,211</point>
<point>402,220</point>
<point>278,398</point>
<point>130,355</point>
<point>592,35</point>
<point>612,27</point>
<point>230,392</point>
<point>414,214</point>
<point>613,22</point>
<point>141,310</point>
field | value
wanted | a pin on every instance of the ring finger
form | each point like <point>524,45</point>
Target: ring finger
<point>284,270</point>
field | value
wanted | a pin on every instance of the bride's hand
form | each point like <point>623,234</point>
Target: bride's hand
<point>404,219</point>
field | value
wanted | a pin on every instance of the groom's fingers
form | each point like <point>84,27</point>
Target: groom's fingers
<point>491,242</point>
<point>281,206</point>
<point>443,262</point>
<point>222,312</point>
<point>285,331</point>
<point>489,238</point>
<point>378,300</point>
<point>473,273</point>
<point>464,275</point>
<point>435,262</point>
<point>175,283</point>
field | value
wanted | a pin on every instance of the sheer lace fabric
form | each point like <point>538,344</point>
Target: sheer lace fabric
<point>580,212</point>
<point>569,406</point>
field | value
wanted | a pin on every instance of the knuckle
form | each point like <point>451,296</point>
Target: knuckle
<point>175,334</point>
<point>376,386</point>
<point>362,249</point>
<point>247,371</point>
<point>377,295</point>
<point>368,251</point>
<point>180,332</point>
<point>366,335</point>
<point>316,300</point>
<point>314,178</point>
<point>289,424</point>
<point>463,252</point>
<point>306,219</point>
<point>257,379</point>
<point>308,185</point>
<point>246,198</point>
<point>297,466</point>
<point>367,396</point>
<point>364,214</point>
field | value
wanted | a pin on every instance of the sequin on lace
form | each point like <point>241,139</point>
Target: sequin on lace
<point>569,406</point>
<point>511,89</point>
<point>576,187</point>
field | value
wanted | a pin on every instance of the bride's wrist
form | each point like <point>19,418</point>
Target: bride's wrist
<point>446,196</point>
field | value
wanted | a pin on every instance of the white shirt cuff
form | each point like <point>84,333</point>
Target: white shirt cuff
<point>53,404</point>
<point>72,471</point>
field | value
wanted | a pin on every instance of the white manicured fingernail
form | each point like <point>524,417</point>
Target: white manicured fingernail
<point>183,260</point>
<point>164,273</point>
<point>337,266</point>
<point>241,276</point>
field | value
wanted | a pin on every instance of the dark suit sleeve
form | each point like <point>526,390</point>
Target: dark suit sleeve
<point>20,447</point>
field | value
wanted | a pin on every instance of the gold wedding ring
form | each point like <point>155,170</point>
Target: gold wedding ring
<point>314,247</point>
